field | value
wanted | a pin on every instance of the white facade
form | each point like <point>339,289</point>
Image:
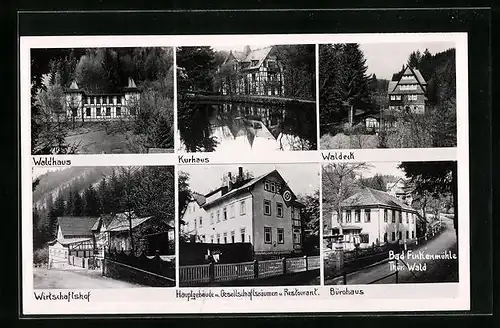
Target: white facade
<point>99,107</point>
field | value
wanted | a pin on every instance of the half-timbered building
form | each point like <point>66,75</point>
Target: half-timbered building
<point>408,93</point>
<point>84,106</point>
<point>252,72</point>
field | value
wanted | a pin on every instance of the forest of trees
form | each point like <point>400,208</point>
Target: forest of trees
<point>100,70</point>
<point>198,69</point>
<point>344,84</point>
<point>144,191</point>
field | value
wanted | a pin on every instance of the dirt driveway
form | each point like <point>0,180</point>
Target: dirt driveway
<point>75,278</point>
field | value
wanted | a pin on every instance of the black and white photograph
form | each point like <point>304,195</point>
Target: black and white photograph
<point>247,98</point>
<point>387,95</point>
<point>102,100</point>
<point>103,227</point>
<point>390,223</point>
<point>253,225</point>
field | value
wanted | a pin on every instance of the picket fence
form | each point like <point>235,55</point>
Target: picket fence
<point>206,273</point>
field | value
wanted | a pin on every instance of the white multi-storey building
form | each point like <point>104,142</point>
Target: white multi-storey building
<point>261,211</point>
<point>86,106</point>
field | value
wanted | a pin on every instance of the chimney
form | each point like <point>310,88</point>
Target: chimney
<point>229,181</point>
<point>240,173</point>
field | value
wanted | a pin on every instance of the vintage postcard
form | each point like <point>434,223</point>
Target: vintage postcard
<point>262,174</point>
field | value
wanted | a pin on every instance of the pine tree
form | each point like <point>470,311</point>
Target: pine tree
<point>91,201</point>
<point>78,205</point>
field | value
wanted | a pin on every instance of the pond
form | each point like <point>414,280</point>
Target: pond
<point>229,127</point>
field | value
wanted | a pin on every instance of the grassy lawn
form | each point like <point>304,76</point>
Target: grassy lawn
<point>98,138</point>
<point>342,141</point>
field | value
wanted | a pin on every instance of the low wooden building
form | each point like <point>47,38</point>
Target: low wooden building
<point>74,237</point>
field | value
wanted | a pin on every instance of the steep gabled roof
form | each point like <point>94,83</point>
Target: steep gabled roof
<point>419,79</point>
<point>372,197</point>
<point>392,85</point>
<point>259,55</point>
<point>76,225</point>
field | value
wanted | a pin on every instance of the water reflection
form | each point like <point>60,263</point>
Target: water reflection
<point>239,127</point>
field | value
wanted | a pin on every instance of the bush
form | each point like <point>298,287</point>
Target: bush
<point>41,256</point>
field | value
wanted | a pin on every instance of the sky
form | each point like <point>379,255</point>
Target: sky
<point>301,178</point>
<point>385,59</point>
<point>383,168</point>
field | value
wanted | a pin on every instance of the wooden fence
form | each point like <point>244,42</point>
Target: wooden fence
<point>206,273</point>
<point>144,270</point>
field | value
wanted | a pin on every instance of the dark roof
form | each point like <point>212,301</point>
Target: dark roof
<point>370,197</point>
<point>121,222</point>
<point>419,79</point>
<point>76,225</point>
<point>105,220</point>
<point>199,198</point>
<point>243,187</point>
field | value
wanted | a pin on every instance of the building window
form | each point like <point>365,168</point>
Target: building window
<point>267,207</point>
<point>400,214</point>
<point>218,238</point>
<point>348,217</point>
<point>393,236</point>
<point>242,234</point>
<point>266,186</point>
<point>225,237</point>
<point>393,216</point>
<point>98,111</point>
<point>385,215</point>
<point>292,212</point>
<point>98,100</point>
<point>195,223</point>
<point>413,218</point>
<point>231,211</point>
<point>224,217</point>
<point>273,187</point>
<point>385,237</point>
<point>212,218</point>
<point>407,235</point>
<point>367,215</point>
<point>201,221</point>
<point>108,111</point>
<point>232,236</point>
<point>218,216</point>
<point>412,97</point>
<point>119,100</point>
<point>279,210</point>
<point>242,208</point>
<point>412,234</point>
<point>118,111</point>
<point>400,235</point>
<point>364,238</point>
<point>407,218</point>
<point>281,236</point>
<point>267,235</point>
<point>87,111</point>
<point>357,216</point>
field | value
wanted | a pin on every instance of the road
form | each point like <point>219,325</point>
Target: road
<point>75,278</point>
<point>441,270</point>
